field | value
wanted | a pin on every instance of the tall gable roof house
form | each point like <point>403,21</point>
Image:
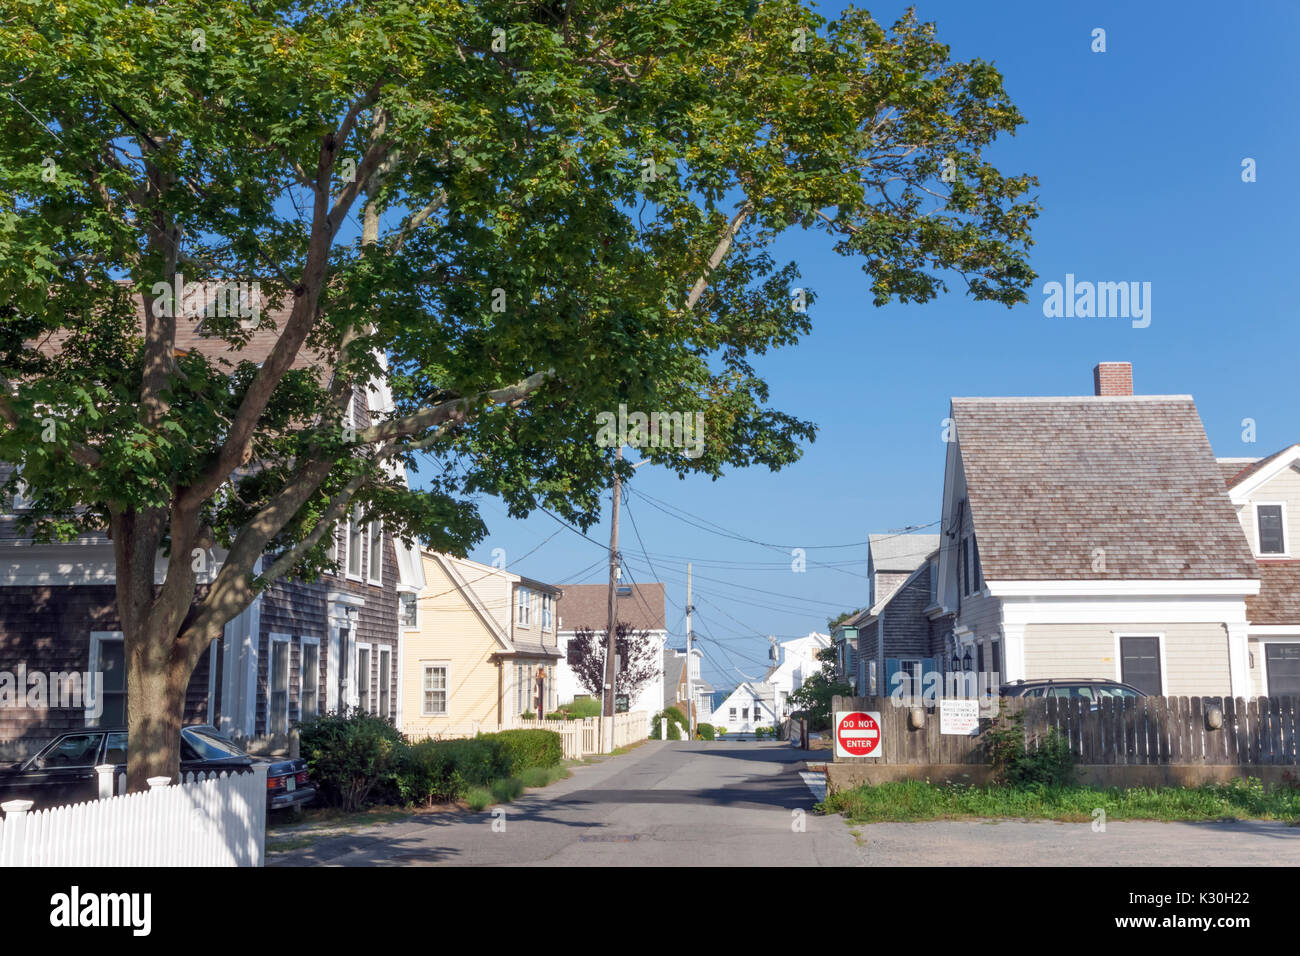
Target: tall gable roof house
<point>1093,536</point>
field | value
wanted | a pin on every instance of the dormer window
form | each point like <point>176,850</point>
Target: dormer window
<point>1271,524</point>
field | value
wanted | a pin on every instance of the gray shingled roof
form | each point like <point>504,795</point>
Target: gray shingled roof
<point>1052,479</point>
<point>901,552</point>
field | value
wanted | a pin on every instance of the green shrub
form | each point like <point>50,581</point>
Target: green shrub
<point>1014,765</point>
<point>528,715</point>
<point>582,707</point>
<point>352,757</point>
<point>557,715</point>
<point>542,776</point>
<point>760,733</point>
<point>720,731</point>
<point>675,717</point>
<point>529,748</point>
<point>446,770</point>
<point>478,798</point>
<point>705,731</point>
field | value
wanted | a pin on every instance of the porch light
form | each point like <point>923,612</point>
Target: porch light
<point>966,660</point>
<point>956,663</point>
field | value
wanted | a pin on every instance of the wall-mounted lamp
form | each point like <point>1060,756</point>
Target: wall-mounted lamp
<point>966,660</point>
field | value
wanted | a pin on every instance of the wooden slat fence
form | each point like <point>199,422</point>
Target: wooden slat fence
<point>1123,731</point>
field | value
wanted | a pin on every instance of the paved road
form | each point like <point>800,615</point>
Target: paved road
<point>733,804</point>
<point>663,804</point>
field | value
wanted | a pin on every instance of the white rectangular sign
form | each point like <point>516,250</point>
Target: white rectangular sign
<point>959,717</point>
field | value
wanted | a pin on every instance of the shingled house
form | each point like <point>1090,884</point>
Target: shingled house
<point>1094,537</point>
<point>300,649</point>
<point>1266,495</point>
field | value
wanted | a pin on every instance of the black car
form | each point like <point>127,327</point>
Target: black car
<point>63,771</point>
<point>1091,689</point>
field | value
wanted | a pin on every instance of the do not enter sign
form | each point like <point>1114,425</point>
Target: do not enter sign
<point>857,734</point>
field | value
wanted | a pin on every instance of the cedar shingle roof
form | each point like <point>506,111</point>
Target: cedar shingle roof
<point>587,605</point>
<point>1052,479</point>
<point>1246,469</point>
<point>1278,601</point>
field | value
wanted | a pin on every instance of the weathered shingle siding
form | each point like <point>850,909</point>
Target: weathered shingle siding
<point>907,630</point>
<point>48,629</point>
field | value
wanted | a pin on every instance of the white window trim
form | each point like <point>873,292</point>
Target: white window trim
<point>424,672</point>
<point>370,558</point>
<point>415,596</point>
<point>347,549</point>
<point>523,606</point>
<point>96,639</point>
<point>384,651</point>
<point>1262,648</point>
<point>356,670</point>
<point>1286,536</point>
<point>1160,643</point>
<point>272,640</point>
<point>302,674</point>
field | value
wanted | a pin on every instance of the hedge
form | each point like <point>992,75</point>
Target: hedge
<point>530,748</point>
<point>353,758</point>
<point>705,731</point>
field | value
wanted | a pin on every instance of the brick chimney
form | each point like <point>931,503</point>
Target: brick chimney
<point>1112,378</point>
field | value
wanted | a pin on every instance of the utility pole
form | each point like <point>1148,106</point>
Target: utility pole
<point>690,682</point>
<point>611,678</point>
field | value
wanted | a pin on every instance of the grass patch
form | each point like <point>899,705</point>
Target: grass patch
<point>909,801</point>
<point>479,798</point>
<point>542,776</point>
<point>506,789</point>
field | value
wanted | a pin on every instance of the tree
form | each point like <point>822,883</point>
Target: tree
<point>813,697</point>
<point>638,658</point>
<point>516,216</point>
<point>833,622</point>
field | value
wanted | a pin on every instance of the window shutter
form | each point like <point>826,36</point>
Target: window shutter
<point>892,668</point>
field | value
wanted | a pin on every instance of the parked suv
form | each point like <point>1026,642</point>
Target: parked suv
<point>1090,688</point>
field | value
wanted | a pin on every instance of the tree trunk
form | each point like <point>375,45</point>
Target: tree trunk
<point>155,703</point>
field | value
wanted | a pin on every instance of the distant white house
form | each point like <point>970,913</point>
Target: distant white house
<point>586,606</point>
<point>750,705</point>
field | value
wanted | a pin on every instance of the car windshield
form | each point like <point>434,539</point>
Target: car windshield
<point>209,745</point>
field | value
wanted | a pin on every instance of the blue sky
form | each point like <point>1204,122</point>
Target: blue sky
<point>1138,151</point>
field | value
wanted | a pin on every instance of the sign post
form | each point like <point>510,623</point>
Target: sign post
<point>857,734</point>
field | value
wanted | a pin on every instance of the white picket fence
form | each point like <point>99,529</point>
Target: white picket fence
<point>212,820</point>
<point>578,738</point>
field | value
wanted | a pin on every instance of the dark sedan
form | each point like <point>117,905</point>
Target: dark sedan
<point>63,771</point>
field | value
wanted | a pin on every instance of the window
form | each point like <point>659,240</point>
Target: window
<point>1282,663</point>
<point>115,752</point>
<point>334,542</point>
<point>77,750</point>
<point>744,713</point>
<point>309,679</point>
<point>731,712</point>
<point>376,552</point>
<point>525,606</point>
<point>911,685</point>
<point>385,670</point>
<point>1272,529</point>
<point>409,608</point>
<point>354,543</point>
<point>363,678</point>
<point>547,602</point>
<point>277,684</point>
<point>1140,663</point>
<point>871,678</point>
<point>435,690</point>
<point>107,708</point>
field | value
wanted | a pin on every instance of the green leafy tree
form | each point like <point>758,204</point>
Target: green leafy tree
<point>518,216</point>
<point>813,697</point>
